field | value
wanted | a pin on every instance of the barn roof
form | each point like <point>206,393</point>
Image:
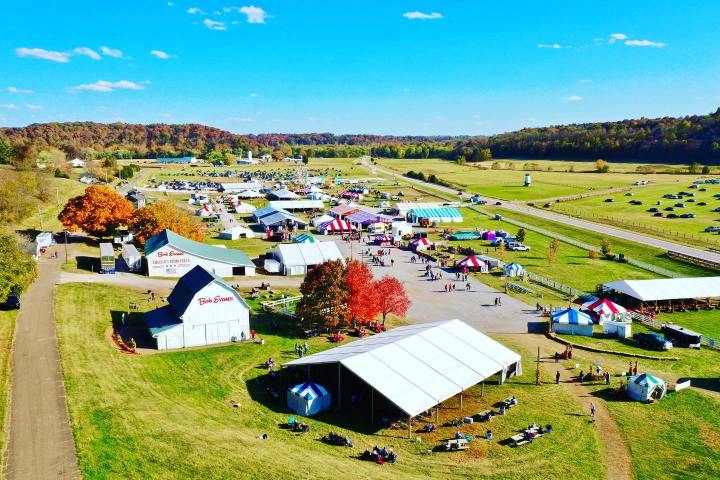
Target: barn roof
<point>191,247</point>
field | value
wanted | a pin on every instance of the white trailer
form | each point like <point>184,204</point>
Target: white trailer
<point>132,257</point>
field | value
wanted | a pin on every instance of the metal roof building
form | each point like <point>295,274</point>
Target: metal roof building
<point>417,367</point>
<point>171,255</point>
<point>442,215</point>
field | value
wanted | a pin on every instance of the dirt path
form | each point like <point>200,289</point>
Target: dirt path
<point>39,439</point>
<point>618,460</point>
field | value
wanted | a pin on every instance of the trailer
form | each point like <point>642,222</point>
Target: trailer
<point>132,257</point>
<point>107,258</point>
<point>681,336</point>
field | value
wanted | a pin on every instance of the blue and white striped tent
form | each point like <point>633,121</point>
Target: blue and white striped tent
<point>513,270</point>
<point>440,215</point>
<point>572,322</point>
<point>308,398</point>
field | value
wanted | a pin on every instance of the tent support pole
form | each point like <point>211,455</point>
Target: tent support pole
<point>339,389</point>
<point>409,427</point>
<point>482,388</point>
<point>372,406</point>
<point>461,402</point>
<point>437,413</point>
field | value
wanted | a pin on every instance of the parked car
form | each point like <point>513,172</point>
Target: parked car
<point>716,209</point>
<point>713,228</point>
<point>653,341</point>
<point>687,215</point>
<point>498,240</point>
<point>702,204</point>
<point>498,203</point>
<point>669,209</point>
<point>680,205</point>
<point>693,186</point>
<point>12,302</point>
<point>657,214</point>
<point>609,200</point>
<point>672,215</point>
<point>635,202</point>
<point>518,247</point>
<point>653,210</point>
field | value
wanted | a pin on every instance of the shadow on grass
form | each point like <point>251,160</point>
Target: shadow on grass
<point>133,327</point>
<point>709,384</point>
<point>611,395</point>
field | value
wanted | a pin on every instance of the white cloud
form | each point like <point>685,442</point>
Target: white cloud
<point>105,86</point>
<point>18,90</point>
<point>644,43</point>
<point>254,14</point>
<point>573,98</point>
<point>422,16</point>
<point>88,52</point>
<point>552,45</point>
<point>195,11</point>
<point>53,56</point>
<point>585,80</point>
<point>160,54</point>
<point>111,52</point>
<point>614,37</point>
<point>213,25</point>
<point>9,106</point>
<point>30,106</point>
<point>241,119</point>
<point>255,95</point>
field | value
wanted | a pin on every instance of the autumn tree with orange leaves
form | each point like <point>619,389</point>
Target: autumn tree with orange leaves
<point>150,220</point>
<point>390,297</point>
<point>99,211</point>
<point>359,281</point>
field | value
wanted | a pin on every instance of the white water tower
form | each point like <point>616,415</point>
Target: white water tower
<point>249,154</point>
<point>528,180</point>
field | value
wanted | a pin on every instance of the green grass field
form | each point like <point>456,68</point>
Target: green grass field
<point>168,415</point>
<point>508,184</point>
<point>7,333</point>
<point>623,213</point>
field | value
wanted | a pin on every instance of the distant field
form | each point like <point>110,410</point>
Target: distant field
<point>621,211</point>
<point>169,416</point>
<point>508,184</point>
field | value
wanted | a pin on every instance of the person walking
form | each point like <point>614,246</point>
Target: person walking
<point>557,377</point>
<point>496,301</point>
<point>467,286</point>
<point>592,411</point>
<point>607,378</point>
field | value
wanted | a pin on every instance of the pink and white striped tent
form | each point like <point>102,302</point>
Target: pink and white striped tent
<point>605,309</point>
<point>472,263</point>
<point>337,226</point>
<point>420,244</point>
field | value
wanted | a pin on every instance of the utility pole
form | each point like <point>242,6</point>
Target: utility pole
<point>537,370</point>
<point>66,252</point>
<point>42,225</point>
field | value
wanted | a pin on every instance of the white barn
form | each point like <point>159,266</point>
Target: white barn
<point>202,310</point>
<point>171,255</point>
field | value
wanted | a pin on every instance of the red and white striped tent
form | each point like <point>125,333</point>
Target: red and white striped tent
<point>421,244</point>
<point>605,309</point>
<point>337,226</point>
<point>472,263</point>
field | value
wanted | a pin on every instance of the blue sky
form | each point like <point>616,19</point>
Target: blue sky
<point>388,67</point>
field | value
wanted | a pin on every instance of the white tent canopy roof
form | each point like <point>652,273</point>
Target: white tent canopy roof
<point>306,254</point>
<point>419,366</point>
<point>668,288</point>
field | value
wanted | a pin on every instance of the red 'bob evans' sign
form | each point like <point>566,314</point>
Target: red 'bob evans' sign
<point>216,299</point>
<point>169,254</point>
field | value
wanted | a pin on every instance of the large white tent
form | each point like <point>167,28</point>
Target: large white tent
<point>297,204</point>
<point>668,288</point>
<point>417,367</point>
<point>296,258</point>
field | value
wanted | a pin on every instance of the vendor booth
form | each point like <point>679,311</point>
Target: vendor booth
<point>336,226</point>
<point>572,322</point>
<point>420,244</point>
<point>646,388</point>
<point>606,311</point>
<point>308,399</point>
<point>472,264</point>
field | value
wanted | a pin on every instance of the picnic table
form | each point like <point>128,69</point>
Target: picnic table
<point>525,436</point>
<point>456,444</point>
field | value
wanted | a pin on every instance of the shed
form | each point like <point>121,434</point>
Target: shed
<point>572,322</point>
<point>308,399</point>
<point>107,257</point>
<point>646,388</point>
<point>202,310</point>
<point>617,329</point>
<point>132,257</point>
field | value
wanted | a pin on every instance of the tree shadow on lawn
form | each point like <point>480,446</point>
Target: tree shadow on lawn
<point>610,394</point>
<point>268,323</point>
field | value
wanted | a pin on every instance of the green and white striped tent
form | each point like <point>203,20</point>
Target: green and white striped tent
<point>441,215</point>
<point>304,238</point>
<point>645,387</point>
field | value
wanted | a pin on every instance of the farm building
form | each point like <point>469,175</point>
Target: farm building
<point>176,160</point>
<point>238,231</point>
<point>433,215</point>
<point>291,205</point>
<point>171,255</point>
<point>132,257</point>
<point>572,322</point>
<point>411,369</point>
<point>107,257</point>
<point>88,178</point>
<point>297,258</point>
<point>665,291</point>
<point>138,199</point>
<point>202,310</point>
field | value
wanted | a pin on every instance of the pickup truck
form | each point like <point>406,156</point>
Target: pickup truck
<point>653,341</point>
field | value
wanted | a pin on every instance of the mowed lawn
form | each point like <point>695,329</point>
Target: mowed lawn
<point>629,214</point>
<point>508,184</point>
<point>169,415</point>
<point>7,333</point>
<point>573,265</point>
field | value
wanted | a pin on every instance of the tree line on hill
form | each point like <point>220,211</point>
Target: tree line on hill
<point>688,139</point>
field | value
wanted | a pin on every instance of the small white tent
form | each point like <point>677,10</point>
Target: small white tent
<point>238,231</point>
<point>308,399</point>
<point>646,388</point>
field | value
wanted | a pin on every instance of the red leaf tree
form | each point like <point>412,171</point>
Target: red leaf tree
<point>362,306</point>
<point>390,297</point>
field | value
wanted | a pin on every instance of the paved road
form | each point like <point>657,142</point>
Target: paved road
<point>39,440</point>
<point>584,224</point>
<point>430,302</point>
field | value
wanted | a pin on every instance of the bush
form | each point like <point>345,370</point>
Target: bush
<point>60,174</point>
<point>594,254</point>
